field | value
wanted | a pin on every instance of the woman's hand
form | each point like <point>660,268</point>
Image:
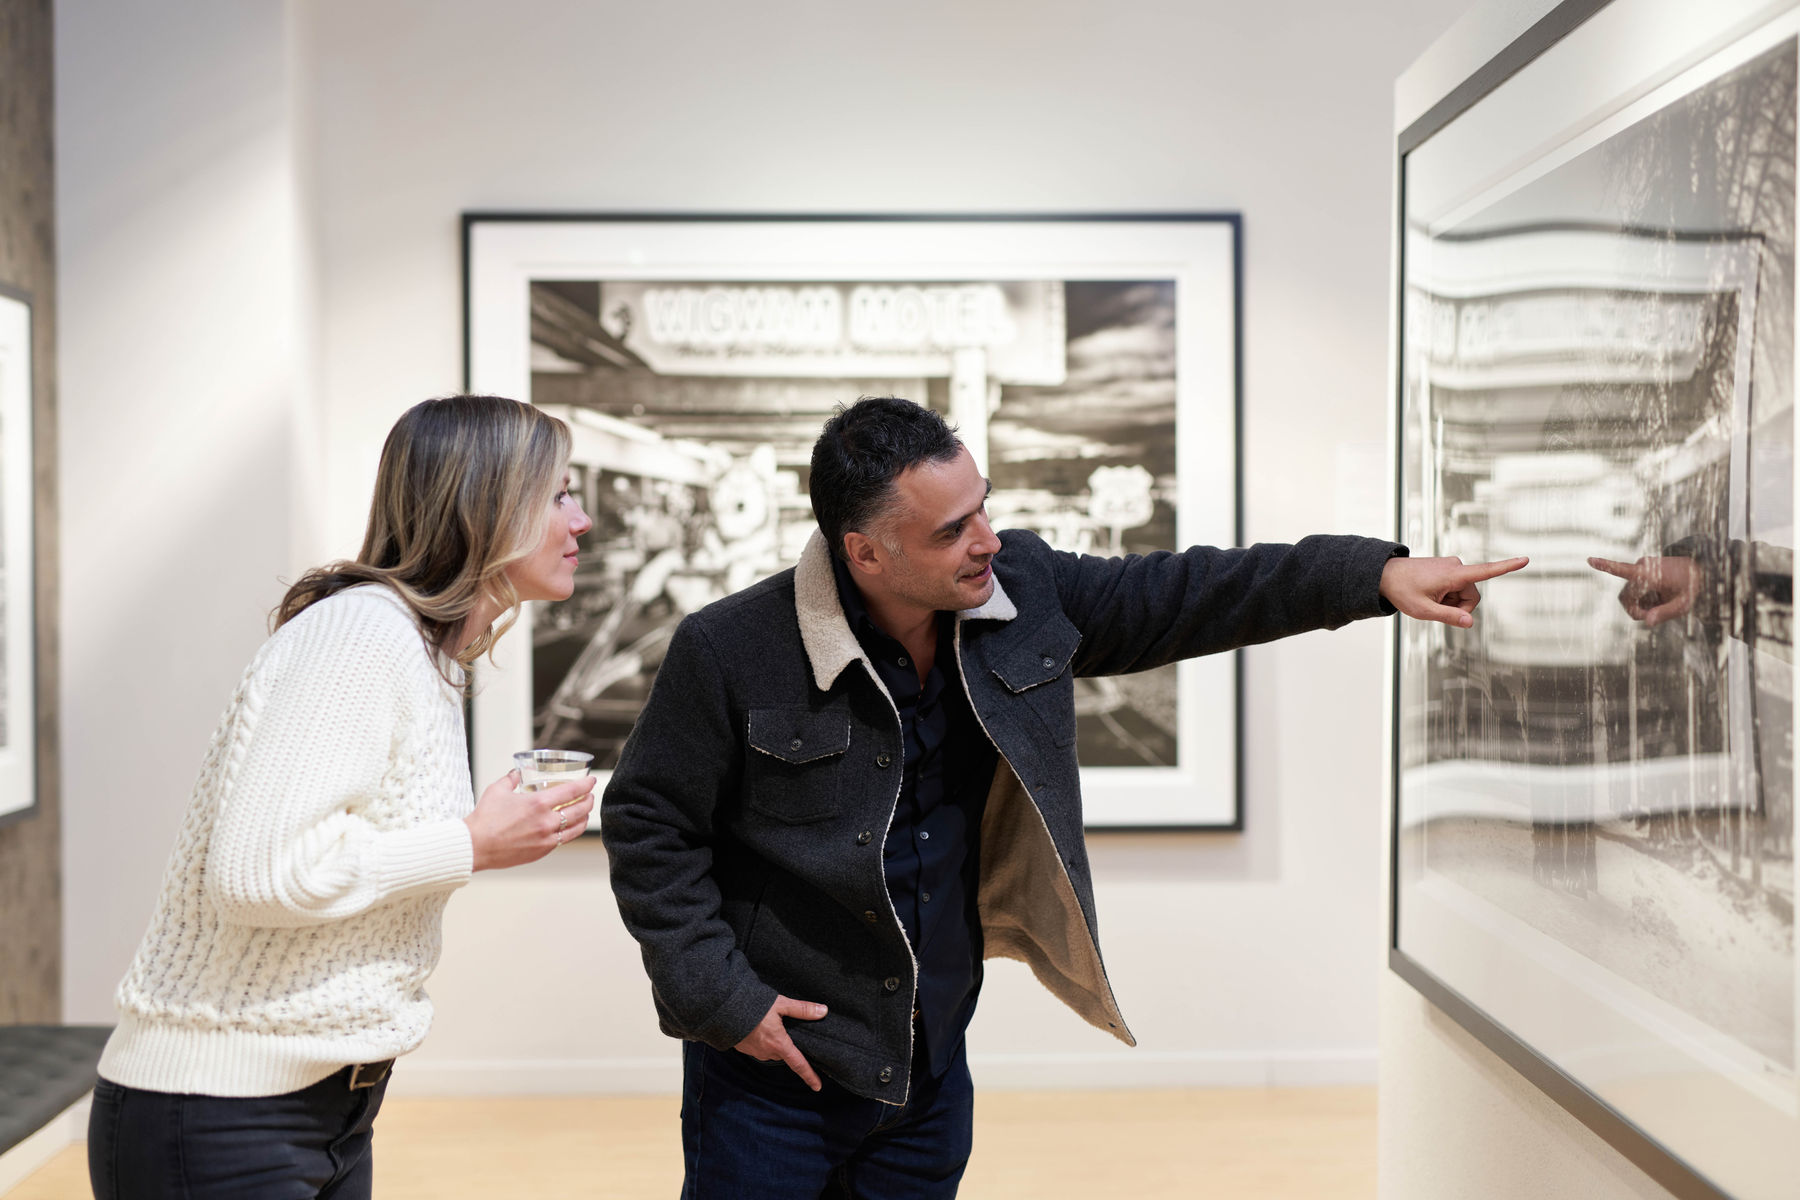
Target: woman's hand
<point>510,827</point>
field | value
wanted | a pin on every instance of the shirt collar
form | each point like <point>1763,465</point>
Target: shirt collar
<point>856,611</point>
<point>881,646</point>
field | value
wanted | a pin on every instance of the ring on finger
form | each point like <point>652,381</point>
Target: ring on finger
<point>562,823</point>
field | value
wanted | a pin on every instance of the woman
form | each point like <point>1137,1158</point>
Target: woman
<point>300,912</point>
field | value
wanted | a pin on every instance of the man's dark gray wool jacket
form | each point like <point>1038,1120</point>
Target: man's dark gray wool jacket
<point>746,819</point>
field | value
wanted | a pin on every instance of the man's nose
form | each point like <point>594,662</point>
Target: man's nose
<point>985,541</point>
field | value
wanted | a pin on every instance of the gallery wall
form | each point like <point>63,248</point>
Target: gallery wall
<point>31,921</point>
<point>280,358</point>
<point>181,302</point>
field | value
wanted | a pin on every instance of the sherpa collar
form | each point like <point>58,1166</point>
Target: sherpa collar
<point>825,632</point>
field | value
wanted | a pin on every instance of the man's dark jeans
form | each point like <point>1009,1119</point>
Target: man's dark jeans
<point>313,1144</point>
<point>751,1130</point>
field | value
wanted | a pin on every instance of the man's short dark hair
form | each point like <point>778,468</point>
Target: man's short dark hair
<point>862,450</point>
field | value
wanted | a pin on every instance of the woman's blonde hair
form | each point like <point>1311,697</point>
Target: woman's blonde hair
<point>463,491</point>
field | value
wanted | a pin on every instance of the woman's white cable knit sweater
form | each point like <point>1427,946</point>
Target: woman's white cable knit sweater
<point>301,908</point>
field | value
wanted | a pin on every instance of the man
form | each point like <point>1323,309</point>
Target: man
<point>855,780</point>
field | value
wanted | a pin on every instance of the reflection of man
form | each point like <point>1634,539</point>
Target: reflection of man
<point>835,763</point>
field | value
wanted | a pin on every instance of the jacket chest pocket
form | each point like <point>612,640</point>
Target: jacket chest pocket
<point>791,772</point>
<point>1036,671</point>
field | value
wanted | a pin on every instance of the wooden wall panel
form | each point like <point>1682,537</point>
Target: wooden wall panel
<point>30,847</point>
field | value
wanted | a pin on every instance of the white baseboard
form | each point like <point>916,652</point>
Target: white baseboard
<point>1173,1069</point>
<point>661,1075</point>
<point>24,1159</point>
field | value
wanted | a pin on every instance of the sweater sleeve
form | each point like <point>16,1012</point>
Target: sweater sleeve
<point>326,725</point>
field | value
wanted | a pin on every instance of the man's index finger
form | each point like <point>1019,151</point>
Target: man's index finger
<point>1480,571</point>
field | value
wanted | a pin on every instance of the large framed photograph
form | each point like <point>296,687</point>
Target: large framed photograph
<point>1090,364</point>
<point>18,640</point>
<point>1593,847</point>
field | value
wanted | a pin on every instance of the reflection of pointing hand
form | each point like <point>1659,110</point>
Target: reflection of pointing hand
<point>1657,589</point>
<point>1440,589</point>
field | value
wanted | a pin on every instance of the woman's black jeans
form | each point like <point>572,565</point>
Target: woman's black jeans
<point>313,1144</point>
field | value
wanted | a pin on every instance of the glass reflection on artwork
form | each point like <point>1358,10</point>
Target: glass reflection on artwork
<point>1598,373</point>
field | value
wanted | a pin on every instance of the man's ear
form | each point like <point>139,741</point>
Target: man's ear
<point>863,552</point>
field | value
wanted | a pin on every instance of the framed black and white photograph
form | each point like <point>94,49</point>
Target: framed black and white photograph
<point>1090,364</point>
<point>1593,847</point>
<point>18,673</point>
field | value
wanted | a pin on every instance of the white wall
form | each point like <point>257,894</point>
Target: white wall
<point>176,247</point>
<point>1242,958</point>
<point>1457,1123</point>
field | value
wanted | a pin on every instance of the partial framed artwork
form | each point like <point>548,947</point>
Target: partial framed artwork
<point>1593,826</point>
<point>1090,363</point>
<point>18,641</point>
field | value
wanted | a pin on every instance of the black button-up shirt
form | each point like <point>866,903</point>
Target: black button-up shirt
<point>933,853</point>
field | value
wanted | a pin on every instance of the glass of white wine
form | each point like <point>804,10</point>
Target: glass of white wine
<point>539,769</point>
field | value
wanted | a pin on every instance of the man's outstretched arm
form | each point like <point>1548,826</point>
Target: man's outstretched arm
<point>1142,611</point>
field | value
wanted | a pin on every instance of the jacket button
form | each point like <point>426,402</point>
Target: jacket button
<point>795,744</point>
<point>887,1075</point>
<point>864,838</point>
<point>1048,661</point>
<point>884,759</point>
<point>870,916</point>
<point>891,983</point>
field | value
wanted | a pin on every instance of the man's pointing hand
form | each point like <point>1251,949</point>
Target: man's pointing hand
<point>1439,589</point>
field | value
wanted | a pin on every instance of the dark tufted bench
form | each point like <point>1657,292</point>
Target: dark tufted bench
<point>43,1070</point>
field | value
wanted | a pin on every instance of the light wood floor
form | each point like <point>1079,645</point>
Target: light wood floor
<point>1234,1144</point>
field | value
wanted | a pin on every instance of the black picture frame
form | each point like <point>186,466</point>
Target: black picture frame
<point>1663,1164</point>
<point>476,225</point>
